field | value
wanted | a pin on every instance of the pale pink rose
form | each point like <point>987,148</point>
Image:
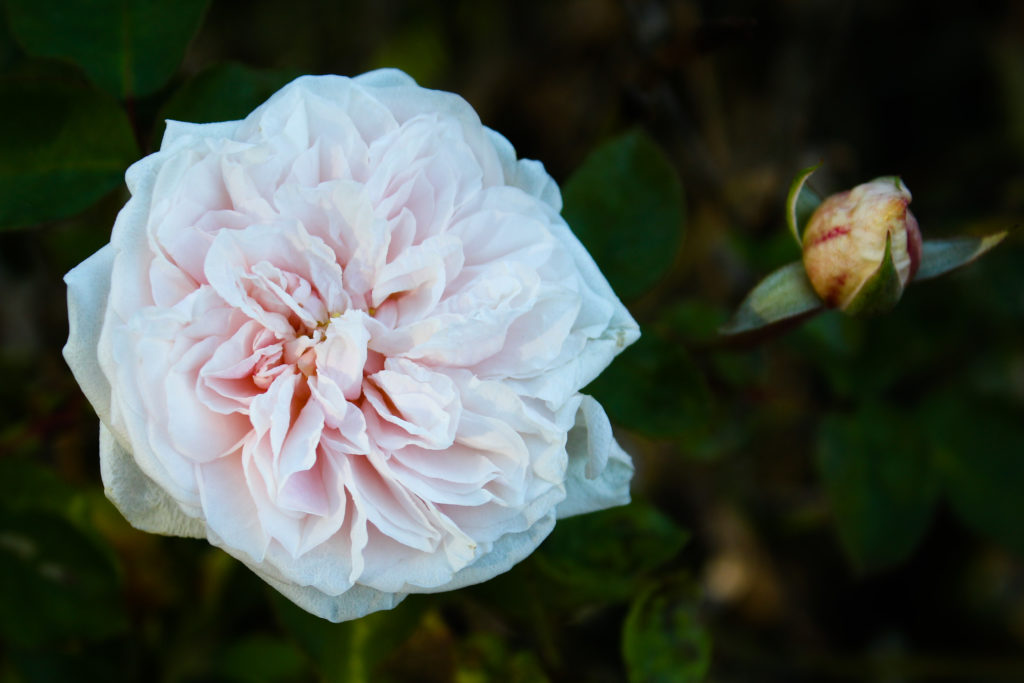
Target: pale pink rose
<point>343,339</point>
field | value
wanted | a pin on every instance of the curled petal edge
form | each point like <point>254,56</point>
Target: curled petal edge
<point>88,289</point>
<point>599,471</point>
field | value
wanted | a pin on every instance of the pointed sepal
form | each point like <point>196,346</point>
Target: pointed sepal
<point>801,202</point>
<point>784,294</point>
<point>938,257</point>
<point>882,290</point>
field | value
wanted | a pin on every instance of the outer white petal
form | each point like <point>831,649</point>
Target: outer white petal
<point>178,130</point>
<point>599,470</point>
<point>526,174</point>
<point>385,78</point>
<point>505,553</point>
<point>356,602</point>
<point>88,288</point>
<point>559,384</point>
<point>144,504</point>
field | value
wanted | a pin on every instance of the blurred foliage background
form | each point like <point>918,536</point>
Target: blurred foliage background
<point>838,501</point>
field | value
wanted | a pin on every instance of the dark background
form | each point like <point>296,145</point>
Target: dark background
<point>836,501</point>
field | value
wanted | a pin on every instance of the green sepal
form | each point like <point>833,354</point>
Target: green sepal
<point>882,290</point>
<point>786,293</point>
<point>801,202</point>
<point>938,257</point>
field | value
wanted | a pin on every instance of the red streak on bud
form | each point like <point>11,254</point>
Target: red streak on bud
<point>837,231</point>
<point>835,288</point>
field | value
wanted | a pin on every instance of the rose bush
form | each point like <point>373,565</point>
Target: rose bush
<point>343,339</point>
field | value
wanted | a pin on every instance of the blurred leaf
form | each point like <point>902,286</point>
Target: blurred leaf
<point>418,50</point>
<point>63,145</point>
<point>262,659</point>
<point>50,665</point>
<point>128,47</point>
<point>941,256</point>
<point>486,657</point>
<point>352,649</point>
<point>979,447</point>
<point>224,92</point>
<point>801,202</point>
<point>881,483</point>
<point>784,294</point>
<point>57,582</point>
<point>27,485</point>
<point>693,321</point>
<point>663,640</point>
<point>8,50</point>
<point>602,555</point>
<point>654,388</point>
<point>625,203</point>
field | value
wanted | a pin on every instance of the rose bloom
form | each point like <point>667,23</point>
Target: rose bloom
<point>343,339</point>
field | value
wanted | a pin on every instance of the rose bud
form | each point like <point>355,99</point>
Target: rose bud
<point>862,247</point>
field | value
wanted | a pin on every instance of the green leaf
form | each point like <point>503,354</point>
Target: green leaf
<point>625,203</point>
<point>224,92</point>
<point>262,659</point>
<point>801,202</point>
<point>350,650</point>
<point>63,145</point>
<point>602,556</point>
<point>128,47</point>
<point>881,483</point>
<point>882,290</point>
<point>941,256</point>
<point>784,294</point>
<point>27,485</point>
<point>419,50</point>
<point>655,388</point>
<point>8,50</point>
<point>663,640</point>
<point>978,447</point>
<point>484,656</point>
<point>57,582</point>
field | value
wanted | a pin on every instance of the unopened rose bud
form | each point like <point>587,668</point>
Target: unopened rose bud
<point>846,242</point>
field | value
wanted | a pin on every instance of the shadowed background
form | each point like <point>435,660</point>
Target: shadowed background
<point>839,501</point>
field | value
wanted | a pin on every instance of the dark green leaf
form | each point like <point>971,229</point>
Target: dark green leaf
<point>418,50</point>
<point>262,659</point>
<point>801,202</point>
<point>602,556</point>
<point>663,640</point>
<point>27,485</point>
<point>128,47</point>
<point>63,145</point>
<point>784,294</point>
<point>350,650</point>
<point>8,51</point>
<point>941,256</point>
<point>654,387</point>
<point>224,92</point>
<point>882,290</point>
<point>56,581</point>
<point>625,203</point>
<point>486,656</point>
<point>979,447</point>
<point>881,483</point>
